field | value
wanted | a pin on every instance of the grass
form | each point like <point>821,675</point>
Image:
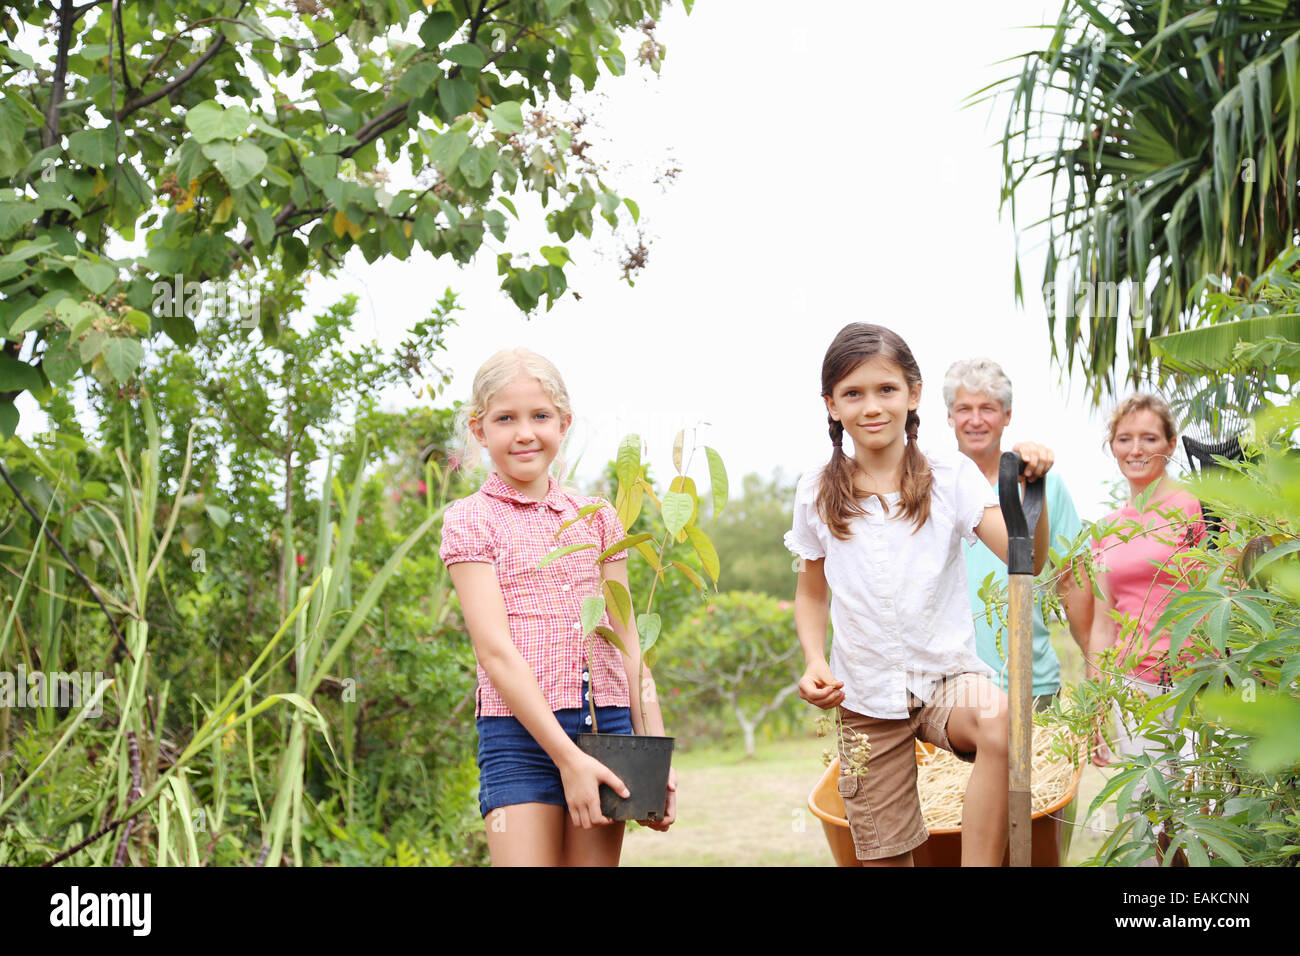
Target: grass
<point>738,811</point>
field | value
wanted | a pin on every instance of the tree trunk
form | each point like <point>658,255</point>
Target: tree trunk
<point>748,726</point>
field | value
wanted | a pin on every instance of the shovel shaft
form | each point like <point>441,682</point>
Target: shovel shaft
<point>1020,667</point>
<point>1022,519</point>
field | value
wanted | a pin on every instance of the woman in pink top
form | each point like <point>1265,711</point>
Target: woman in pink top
<point>1140,564</point>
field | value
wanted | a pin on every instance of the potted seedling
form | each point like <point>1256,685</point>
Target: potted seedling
<point>643,762</point>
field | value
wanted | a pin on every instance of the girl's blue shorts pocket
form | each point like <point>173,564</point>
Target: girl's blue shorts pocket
<point>513,768</point>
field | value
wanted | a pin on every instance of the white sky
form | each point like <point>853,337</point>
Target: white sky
<point>828,176</point>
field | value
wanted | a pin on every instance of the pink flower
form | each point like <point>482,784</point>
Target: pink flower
<point>421,487</point>
<point>784,605</point>
<point>301,560</point>
<point>675,691</point>
<point>453,462</point>
<point>712,609</point>
<point>397,496</point>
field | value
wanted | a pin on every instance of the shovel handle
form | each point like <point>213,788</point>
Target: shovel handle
<point>1021,518</point>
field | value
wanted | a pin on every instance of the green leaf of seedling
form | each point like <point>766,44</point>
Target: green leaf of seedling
<point>627,464</point>
<point>707,552</point>
<point>609,635</point>
<point>648,627</point>
<point>718,479</point>
<point>648,553</point>
<point>619,599</point>
<point>690,574</point>
<point>634,209</point>
<point>677,509</point>
<point>220,516</point>
<point>582,513</point>
<point>628,504</point>
<point>623,544</point>
<point>593,609</point>
<point>561,552</point>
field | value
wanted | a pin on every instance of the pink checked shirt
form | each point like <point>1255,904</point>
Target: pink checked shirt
<point>500,526</point>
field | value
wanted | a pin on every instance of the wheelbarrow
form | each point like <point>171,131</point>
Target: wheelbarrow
<point>943,848</point>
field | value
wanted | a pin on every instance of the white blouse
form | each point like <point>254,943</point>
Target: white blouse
<point>900,612</point>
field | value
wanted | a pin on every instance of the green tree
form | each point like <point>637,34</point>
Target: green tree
<point>227,137</point>
<point>749,536</point>
<point>1168,134</point>
<point>739,655</point>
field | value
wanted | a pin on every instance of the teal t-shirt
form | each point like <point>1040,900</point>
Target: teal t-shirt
<point>980,561</point>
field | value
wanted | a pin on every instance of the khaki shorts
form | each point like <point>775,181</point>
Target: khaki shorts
<point>884,808</point>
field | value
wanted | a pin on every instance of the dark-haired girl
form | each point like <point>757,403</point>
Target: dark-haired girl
<point>879,531</point>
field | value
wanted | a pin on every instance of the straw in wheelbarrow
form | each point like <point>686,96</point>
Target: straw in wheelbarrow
<point>941,780</point>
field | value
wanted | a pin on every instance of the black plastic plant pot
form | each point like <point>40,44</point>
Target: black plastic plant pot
<point>642,763</point>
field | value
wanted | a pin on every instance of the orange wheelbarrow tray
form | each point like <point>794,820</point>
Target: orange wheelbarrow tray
<point>943,848</point>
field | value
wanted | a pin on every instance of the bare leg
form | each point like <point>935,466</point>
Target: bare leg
<point>600,846</point>
<point>903,859</point>
<point>526,834</point>
<point>984,730</point>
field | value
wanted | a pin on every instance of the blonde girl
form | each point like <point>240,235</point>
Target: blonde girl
<point>880,530</point>
<point>538,793</point>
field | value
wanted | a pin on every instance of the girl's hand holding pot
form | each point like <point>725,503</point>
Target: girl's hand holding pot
<point>670,807</point>
<point>582,776</point>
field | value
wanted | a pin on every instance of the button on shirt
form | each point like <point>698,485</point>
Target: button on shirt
<point>900,615</point>
<point>501,526</point>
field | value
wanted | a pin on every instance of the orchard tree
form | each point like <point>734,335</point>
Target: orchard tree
<point>150,152</point>
<point>737,654</point>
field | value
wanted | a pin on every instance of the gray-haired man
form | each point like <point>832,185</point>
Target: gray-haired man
<point>978,395</point>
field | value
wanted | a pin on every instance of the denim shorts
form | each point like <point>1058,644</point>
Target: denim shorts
<point>513,768</point>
